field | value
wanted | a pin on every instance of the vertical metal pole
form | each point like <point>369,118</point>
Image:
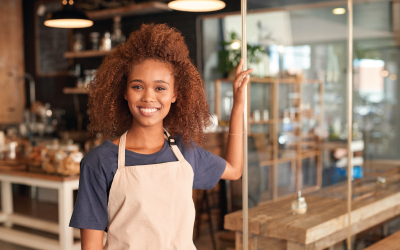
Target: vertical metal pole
<point>349,117</point>
<point>245,156</point>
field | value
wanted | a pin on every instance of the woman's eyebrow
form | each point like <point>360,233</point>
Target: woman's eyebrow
<point>157,81</point>
<point>161,81</point>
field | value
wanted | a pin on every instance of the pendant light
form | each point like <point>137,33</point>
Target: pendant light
<point>68,17</point>
<point>196,5</point>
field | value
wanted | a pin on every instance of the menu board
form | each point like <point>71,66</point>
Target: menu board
<point>51,43</point>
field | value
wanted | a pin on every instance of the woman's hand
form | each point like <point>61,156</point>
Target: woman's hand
<point>240,84</point>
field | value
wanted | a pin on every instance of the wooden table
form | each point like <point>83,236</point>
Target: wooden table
<point>272,225</point>
<point>65,187</point>
<point>389,243</point>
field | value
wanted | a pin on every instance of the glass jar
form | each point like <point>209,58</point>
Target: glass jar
<point>94,40</point>
<point>79,45</point>
<point>89,75</point>
<point>13,147</point>
<point>49,156</point>
<point>68,160</point>
<point>62,159</point>
<point>117,36</point>
<point>106,42</point>
<point>299,206</point>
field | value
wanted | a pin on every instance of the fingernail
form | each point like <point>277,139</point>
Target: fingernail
<point>247,76</point>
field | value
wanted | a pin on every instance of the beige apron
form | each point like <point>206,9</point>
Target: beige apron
<point>150,207</point>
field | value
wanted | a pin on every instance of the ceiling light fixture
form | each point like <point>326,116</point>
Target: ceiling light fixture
<point>68,17</point>
<point>339,11</point>
<point>196,5</point>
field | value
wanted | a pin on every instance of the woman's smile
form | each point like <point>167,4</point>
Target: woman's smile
<point>148,111</point>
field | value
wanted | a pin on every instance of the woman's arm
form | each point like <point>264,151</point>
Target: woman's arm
<point>91,239</point>
<point>234,149</point>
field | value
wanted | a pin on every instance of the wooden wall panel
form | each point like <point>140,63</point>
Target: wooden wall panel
<point>12,85</point>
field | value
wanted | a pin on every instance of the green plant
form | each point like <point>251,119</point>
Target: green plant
<point>229,56</point>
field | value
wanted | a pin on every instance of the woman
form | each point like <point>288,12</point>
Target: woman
<point>138,187</point>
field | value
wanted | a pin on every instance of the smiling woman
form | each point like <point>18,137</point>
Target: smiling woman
<point>111,114</point>
<point>138,187</point>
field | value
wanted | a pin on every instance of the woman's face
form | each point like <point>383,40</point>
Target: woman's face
<point>150,92</point>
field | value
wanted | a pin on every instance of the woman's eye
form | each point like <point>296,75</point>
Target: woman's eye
<point>137,87</point>
<point>160,88</point>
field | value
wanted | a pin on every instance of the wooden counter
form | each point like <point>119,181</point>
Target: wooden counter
<point>274,225</point>
<point>65,187</point>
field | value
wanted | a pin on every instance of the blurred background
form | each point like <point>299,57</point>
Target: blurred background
<point>297,117</point>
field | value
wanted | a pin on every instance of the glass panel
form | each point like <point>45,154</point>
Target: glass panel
<point>301,53</point>
<point>376,173</point>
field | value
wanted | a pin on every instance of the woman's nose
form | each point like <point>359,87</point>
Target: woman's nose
<point>148,96</point>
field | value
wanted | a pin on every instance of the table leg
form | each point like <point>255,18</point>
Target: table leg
<point>6,200</point>
<point>65,207</point>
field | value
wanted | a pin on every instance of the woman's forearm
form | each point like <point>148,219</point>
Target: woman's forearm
<point>234,148</point>
<point>91,239</point>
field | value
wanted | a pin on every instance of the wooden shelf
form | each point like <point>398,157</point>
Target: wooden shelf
<point>262,122</point>
<point>74,91</point>
<point>268,80</point>
<point>86,54</point>
<point>299,146</point>
<point>130,10</point>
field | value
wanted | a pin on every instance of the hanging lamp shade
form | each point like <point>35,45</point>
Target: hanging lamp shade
<point>68,17</point>
<point>196,5</point>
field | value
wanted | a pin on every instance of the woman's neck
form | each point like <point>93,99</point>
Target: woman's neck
<point>145,140</point>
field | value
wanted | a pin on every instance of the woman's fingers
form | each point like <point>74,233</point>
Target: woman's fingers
<point>239,67</point>
<point>240,77</point>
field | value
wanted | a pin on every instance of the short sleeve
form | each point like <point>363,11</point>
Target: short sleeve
<point>90,209</point>
<point>208,169</point>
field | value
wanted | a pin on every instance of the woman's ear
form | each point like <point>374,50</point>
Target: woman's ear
<point>125,97</point>
<point>174,97</point>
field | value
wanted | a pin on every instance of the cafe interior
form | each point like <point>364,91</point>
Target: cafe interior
<point>321,165</point>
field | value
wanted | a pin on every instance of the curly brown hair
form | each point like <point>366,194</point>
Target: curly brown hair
<point>109,112</point>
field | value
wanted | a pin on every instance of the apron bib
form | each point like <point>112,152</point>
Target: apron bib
<point>150,207</point>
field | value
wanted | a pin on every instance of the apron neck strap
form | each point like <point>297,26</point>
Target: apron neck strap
<point>173,145</point>
<point>121,151</point>
<point>166,134</point>
<point>171,141</point>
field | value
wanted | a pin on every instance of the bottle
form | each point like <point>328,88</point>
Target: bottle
<point>256,115</point>
<point>117,37</point>
<point>94,40</point>
<point>78,42</point>
<point>106,42</point>
<point>228,103</point>
<point>265,115</point>
<point>299,206</point>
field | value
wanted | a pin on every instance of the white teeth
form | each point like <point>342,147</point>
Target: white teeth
<point>147,110</point>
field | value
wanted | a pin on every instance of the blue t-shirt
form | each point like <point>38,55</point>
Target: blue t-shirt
<point>100,164</point>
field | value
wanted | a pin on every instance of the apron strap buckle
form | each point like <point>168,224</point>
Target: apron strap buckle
<point>171,141</point>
